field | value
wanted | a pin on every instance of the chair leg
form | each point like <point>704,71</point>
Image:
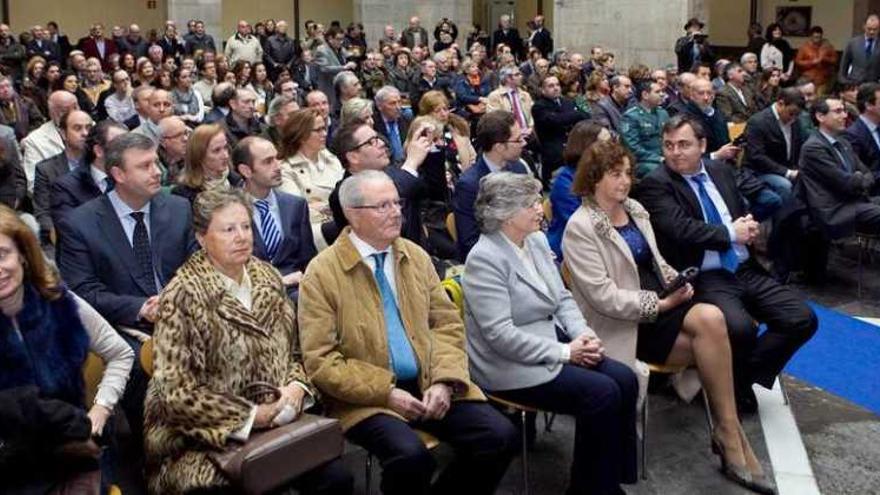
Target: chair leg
<point>709,422</point>
<point>549,418</point>
<point>368,474</point>
<point>525,454</point>
<point>645,438</point>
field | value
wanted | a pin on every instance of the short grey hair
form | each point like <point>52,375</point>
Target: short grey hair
<point>350,193</point>
<point>208,202</point>
<point>345,77</point>
<point>748,56</point>
<point>440,56</point>
<point>501,196</point>
<point>386,92</point>
<point>506,72</point>
<point>122,143</point>
<point>351,110</point>
<point>276,105</point>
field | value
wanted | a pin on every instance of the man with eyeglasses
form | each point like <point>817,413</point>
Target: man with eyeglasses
<point>501,141</point>
<point>384,344</point>
<point>74,127</point>
<point>511,97</point>
<point>421,175</point>
<point>700,220</point>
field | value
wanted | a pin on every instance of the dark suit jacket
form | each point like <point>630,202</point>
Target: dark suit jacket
<point>683,236</point>
<point>297,245</point>
<point>833,193</point>
<point>717,134</point>
<point>134,122</point>
<point>72,190</point>
<point>380,127</point>
<point>466,189</point>
<point>214,116</point>
<point>543,41</point>
<point>859,137</point>
<point>48,50</point>
<point>171,47</point>
<point>98,262</point>
<point>607,114</point>
<point>855,65</point>
<point>90,49</point>
<point>765,151</point>
<point>729,104</point>
<point>684,51</point>
<point>47,172</point>
<point>552,124</point>
<point>511,38</point>
<point>13,181</point>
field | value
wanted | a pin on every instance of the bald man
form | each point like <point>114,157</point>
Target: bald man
<point>46,141</point>
<point>159,106</point>
<point>173,137</point>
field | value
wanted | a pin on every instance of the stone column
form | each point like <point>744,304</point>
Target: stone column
<point>375,14</point>
<point>641,31</point>
<point>209,11</point>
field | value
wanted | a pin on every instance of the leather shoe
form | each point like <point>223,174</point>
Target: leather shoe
<point>746,402</point>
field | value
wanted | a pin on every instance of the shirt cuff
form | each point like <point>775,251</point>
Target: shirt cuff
<point>243,433</point>
<point>412,171</point>
<point>564,353</point>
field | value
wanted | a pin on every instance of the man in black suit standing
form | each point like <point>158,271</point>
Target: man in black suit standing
<point>863,134</point>
<point>554,116</point>
<point>42,46</point>
<point>693,47</point>
<point>773,142</point>
<point>700,220</point>
<point>74,128</point>
<point>860,61</point>
<point>118,250</point>
<point>508,35</point>
<point>281,221</point>
<point>54,35</point>
<point>541,38</point>
<point>390,123</point>
<point>834,183</point>
<point>89,181</point>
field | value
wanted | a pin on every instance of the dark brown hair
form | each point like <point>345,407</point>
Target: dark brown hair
<point>599,159</point>
<point>36,270</point>
<point>580,138</point>
<point>296,130</point>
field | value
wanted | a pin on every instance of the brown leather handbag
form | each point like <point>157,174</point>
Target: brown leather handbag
<point>273,458</point>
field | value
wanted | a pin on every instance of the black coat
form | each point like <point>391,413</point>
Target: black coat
<point>543,41</point>
<point>552,124</point>
<point>71,191</point>
<point>863,144</point>
<point>511,38</point>
<point>765,151</point>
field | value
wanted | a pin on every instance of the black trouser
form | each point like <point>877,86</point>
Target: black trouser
<point>603,401</point>
<point>484,442</point>
<point>752,295</point>
<point>132,400</point>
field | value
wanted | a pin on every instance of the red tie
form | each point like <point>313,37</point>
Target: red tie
<point>514,99</point>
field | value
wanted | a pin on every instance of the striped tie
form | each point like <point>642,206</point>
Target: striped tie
<point>271,234</point>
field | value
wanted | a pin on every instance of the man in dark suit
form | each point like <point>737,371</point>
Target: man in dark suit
<point>221,95</point>
<point>118,250</point>
<point>541,38</point>
<point>860,61</point>
<point>863,133</point>
<point>773,142</point>
<point>43,47</point>
<point>554,116</point>
<point>700,220</point>
<point>693,47</point>
<point>608,110</point>
<point>419,178</point>
<point>834,184</point>
<point>735,99</point>
<point>74,128</point>
<point>90,180</point>
<point>304,72</point>
<point>501,142</point>
<point>283,234</point>
<point>54,35</point>
<point>508,35</point>
<point>390,122</point>
<point>96,45</point>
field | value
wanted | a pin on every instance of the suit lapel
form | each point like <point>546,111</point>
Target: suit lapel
<point>684,189</point>
<point>110,225</point>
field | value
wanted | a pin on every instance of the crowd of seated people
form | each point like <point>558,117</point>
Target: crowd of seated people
<point>284,210</point>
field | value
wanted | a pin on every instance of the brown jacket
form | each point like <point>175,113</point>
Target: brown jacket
<point>208,348</point>
<point>498,100</point>
<point>343,334</point>
<point>605,278</point>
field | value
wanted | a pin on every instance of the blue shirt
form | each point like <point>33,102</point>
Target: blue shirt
<point>712,259</point>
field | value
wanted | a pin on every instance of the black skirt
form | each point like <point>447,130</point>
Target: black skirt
<point>656,338</point>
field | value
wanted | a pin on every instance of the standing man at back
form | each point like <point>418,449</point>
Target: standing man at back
<point>861,57</point>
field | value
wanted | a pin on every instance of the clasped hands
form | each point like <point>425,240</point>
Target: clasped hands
<point>746,229</point>
<point>435,403</point>
<point>292,395</point>
<point>586,351</point>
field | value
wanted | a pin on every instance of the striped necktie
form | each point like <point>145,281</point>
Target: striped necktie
<point>271,234</point>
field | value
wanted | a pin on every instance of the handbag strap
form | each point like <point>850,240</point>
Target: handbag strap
<point>262,393</point>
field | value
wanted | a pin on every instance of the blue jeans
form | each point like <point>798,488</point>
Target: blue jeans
<point>779,184</point>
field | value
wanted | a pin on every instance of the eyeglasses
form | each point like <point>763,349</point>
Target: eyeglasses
<point>384,207</point>
<point>372,141</point>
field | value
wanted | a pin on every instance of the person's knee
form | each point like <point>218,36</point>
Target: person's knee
<point>603,397</point>
<point>499,436</point>
<point>710,322</point>
<point>806,323</point>
<point>412,458</point>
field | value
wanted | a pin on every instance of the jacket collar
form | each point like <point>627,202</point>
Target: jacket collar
<point>602,224</point>
<point>505,245</point>
<point>350,256</point>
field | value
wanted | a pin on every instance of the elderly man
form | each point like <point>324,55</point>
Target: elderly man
<point>555,115</point>
<point>384,344</point>
<point>45,141</point>
<point>12,53</point>
<point>40,46</point>
<point>243,46</point>
<point>281,50</point>
<point>511,97</point>
<point>134,43</point>
<point>541,37</point>
<point>140,99</point>
<point>17,112</point>
<point>96,45</point>
<point>389,121</point>
<point>346,86</point>
<point>241,121</point>
<point>608,110</point>
<point>735,100</point>
<point>221,95</point>
<point>280,109</point>
<point>749,63</point>
<point>428,80</point>
<point>330,60</point>
<point>508,35</point>
<point>414,34</point>
<point>860,61</point>
<point>173,137</point>
<point>159,106</point>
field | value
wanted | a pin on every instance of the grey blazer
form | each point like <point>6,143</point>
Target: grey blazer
<point>510,319</point>
<point>855,65</point>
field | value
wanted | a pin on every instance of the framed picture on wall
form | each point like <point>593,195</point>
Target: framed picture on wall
<point>795,21</point>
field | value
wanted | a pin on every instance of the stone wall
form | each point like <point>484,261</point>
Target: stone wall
<point>634,30</point>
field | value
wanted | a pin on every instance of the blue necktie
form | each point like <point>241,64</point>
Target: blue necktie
<point>403,361</point>
<point>271,235</point>
<point>396,147</point>
<point>729,260</point>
